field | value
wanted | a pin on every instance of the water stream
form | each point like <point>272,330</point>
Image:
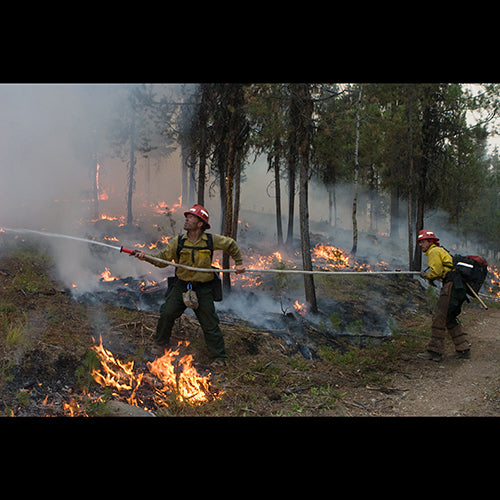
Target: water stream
<point>55,235</point>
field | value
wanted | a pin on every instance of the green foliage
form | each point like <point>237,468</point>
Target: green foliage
<point>84,378</point>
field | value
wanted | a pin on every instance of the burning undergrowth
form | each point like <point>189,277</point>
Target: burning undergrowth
<point>352,309</point>
<point>51,366</point>
<point>266,309</point>
<point>169,377</point>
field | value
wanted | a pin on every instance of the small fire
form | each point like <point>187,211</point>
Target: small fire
<point>116,374</point>
<point>101,193</point>
<point>300,308</point>
<point>162,206</point>
<point>494,277</point>
<point>169,374</point>
<point>182,378</point>
<point>106,275</point>
<point>332,255</point>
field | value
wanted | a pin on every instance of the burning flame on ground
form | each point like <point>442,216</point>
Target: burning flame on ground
<point>106,275</point>
<point>182,378</point>
<point>331,254</point>
<point>494,276</point>
<point>300,308</point>
<point>169,375</point>
<point>116,374</point>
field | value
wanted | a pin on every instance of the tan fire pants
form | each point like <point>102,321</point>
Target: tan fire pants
<point>444,317</point>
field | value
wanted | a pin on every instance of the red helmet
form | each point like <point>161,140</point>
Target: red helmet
<point>200,212</point>
<point>427,235</point>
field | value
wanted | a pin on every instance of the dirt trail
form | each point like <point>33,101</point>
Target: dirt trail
<point>456,387</point>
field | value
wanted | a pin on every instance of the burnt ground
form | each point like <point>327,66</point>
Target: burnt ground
<point>357,358</point>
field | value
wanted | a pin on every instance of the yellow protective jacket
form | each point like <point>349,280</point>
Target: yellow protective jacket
<point>198,258</point>
<point>438,257</point>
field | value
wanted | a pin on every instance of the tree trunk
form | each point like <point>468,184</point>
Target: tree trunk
<point>291,202</point>
<point>410,174</point>
<point>277,192</point>
<point>185,152</point>
<point>131,174</point>
<point>304,137</point>
<point>202,123</point>
<point>228,211</point>
<point>356,174</point>
<point>236,137</point>
<point>236,209</point>
<point>417,260</point>
<point>95,186</point>
<point>292,164</point>
<point>394,213</point>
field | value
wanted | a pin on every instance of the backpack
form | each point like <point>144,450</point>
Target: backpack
<point>472,269</point>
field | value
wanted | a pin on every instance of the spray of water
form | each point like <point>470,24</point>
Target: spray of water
<point>55,235</point>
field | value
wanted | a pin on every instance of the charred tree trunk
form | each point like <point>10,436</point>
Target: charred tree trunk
<point>95,186</point>
<point>185,153</point>
<point>236,210</point>
<point>202,124</point>
<point>277,193</point>
<point>411,265</point>
<point>291,202</point>
<point>356,174</point>
<point>332,205</point>
<point>417,260</point>
<point>131,174</point>
<point>292,166</point>
<point>234,140</point>
<point>394,213</point>
<point>304,138</point>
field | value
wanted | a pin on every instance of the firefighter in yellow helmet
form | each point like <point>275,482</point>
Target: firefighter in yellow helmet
<point>449,304</point>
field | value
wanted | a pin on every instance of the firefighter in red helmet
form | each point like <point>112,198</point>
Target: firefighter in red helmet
<point>449,304</point>
<point>194,289</point>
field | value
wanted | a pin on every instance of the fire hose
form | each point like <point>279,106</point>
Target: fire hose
<point>197,269</point>
<point>151,259</point>
<point>211,270</point>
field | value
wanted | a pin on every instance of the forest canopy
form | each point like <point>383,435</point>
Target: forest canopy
<point>426,145</point>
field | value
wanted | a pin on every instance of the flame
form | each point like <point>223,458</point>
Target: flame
<point>116,374</point>
<point>162,206</point>
<point>335,256</point>
<point>182,378</point>
<point>101,193</point>
<point>494,281</point>
<point>106,275</point>
<point>172,375</point>
<point>300,308</point>
<point>108,217</point>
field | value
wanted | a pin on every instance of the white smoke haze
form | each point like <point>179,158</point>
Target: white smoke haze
<point>52,136</point>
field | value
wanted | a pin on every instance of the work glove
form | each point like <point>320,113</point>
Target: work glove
<point>423,275</point>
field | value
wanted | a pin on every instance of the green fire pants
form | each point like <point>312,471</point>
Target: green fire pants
<point>173,308</point>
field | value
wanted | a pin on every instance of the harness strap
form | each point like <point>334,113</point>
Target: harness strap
<point>181,244</point>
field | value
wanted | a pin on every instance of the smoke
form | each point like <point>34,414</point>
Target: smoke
<point>52,136</point>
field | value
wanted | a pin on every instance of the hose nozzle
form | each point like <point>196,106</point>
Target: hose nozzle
<point>127,250</point>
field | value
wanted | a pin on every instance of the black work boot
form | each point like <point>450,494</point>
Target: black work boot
<point>462,354</point>
<point>430,356</point>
